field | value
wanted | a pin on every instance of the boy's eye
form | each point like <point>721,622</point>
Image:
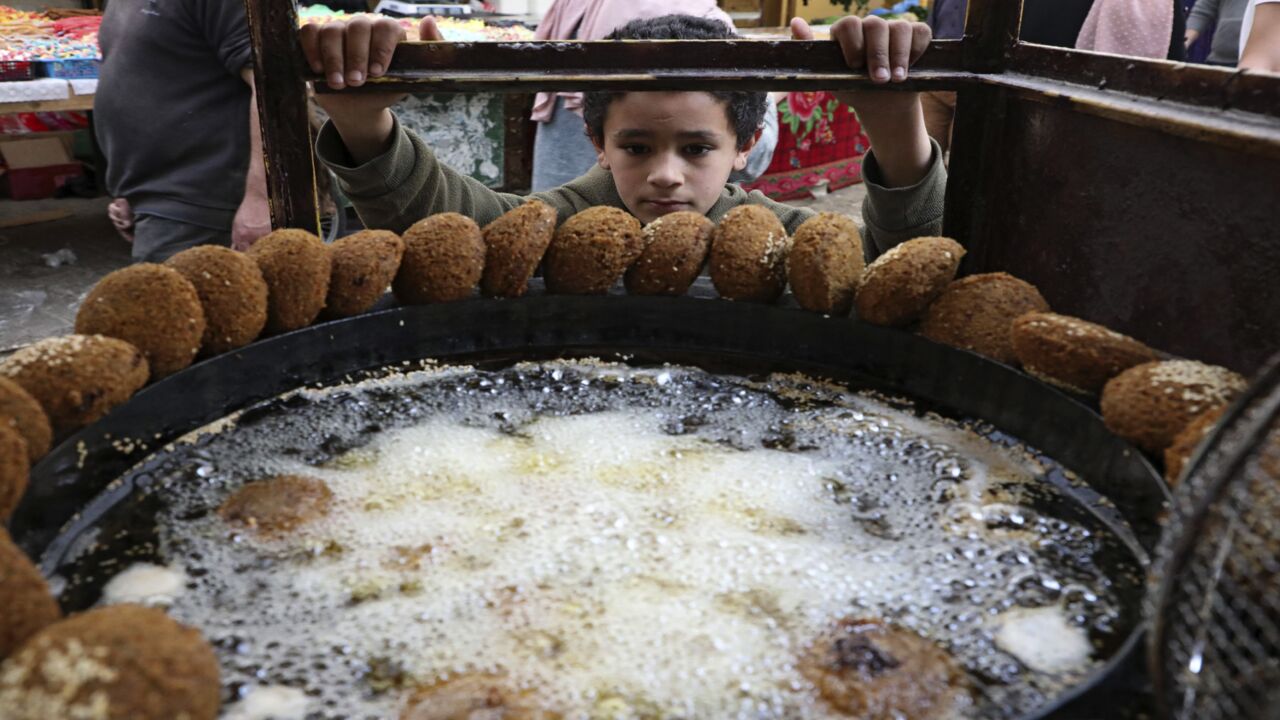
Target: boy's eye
<point>697,150</point>
<point>635,149</point>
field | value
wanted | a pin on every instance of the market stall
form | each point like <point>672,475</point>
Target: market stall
<point>48,76</point>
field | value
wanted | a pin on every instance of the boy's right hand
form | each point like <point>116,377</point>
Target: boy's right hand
<point>348,54</point>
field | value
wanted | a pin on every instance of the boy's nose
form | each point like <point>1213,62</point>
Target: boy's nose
<point>666,171</point>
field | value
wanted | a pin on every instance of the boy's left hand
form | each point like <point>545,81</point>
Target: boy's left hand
<point>893,121</point>
<point>886,49</point>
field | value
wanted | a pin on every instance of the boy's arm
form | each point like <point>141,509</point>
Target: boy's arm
<point>893,121</point>
<point>347,53</point>
<point>904,175</point>
<point>406,183</point>
<point>390,175</point>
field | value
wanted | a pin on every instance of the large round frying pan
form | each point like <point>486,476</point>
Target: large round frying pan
<point>1123,492</point>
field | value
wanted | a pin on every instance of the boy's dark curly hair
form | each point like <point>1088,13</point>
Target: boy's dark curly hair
<point>745,109</point>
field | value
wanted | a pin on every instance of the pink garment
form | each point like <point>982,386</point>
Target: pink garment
<point>1128,27</point>
<point>594,19</point>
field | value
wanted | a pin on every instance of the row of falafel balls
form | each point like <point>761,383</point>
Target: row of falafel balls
<point>148,321</point>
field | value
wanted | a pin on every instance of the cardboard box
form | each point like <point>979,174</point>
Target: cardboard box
<point>37,168</point>
<point>39,152</point>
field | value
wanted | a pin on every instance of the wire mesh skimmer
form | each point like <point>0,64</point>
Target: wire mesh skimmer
<point>1214,607</point>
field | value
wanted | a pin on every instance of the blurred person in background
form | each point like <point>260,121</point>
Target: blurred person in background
<point>1153,29</point>
<point>176,120</point>
<point>562,152</point>
<point>1223,18</point>
<point>1260,36</point>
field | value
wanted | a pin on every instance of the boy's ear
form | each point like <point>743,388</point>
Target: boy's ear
<point>740,162</point>
<point>600,158</point>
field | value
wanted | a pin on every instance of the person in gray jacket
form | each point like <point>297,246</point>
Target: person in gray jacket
<point>1228,14</point>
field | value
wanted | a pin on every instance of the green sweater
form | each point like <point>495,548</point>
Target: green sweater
<point>407,183</point>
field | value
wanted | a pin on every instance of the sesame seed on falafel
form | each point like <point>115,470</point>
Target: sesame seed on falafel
<point>364,264</point>
<point>296,267</point>
<point>591,251</point>
<point>749,255</point>
<point>154,308</point>
<point>443,260</point>
<point>897,286</point>
<point>77,378</point>
<point>232,293</point>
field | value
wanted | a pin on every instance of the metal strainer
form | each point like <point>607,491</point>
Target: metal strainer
<point>1214,605</point>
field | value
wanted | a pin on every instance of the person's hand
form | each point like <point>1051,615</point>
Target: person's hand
<point>348,54</point>
<point>1190,37</point>
<point>886,50</point>
<point>893,121</point>
<point>121,215</point>
<point>252,221</point>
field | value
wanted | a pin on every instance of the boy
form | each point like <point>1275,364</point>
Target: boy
<point>659,152</point>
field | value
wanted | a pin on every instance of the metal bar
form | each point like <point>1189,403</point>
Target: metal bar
<point>1199,85</point>
<point>278,69</point>
<point>1250,133</point>
<point>643,65</point>
<point>990,34</point>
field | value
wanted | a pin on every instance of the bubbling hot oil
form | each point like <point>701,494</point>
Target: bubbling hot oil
<point>617,542</point>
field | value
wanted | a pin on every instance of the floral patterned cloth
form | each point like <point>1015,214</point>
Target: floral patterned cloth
<point>820,144</point>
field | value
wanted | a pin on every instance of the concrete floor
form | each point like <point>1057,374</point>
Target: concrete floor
<point>39,299</point>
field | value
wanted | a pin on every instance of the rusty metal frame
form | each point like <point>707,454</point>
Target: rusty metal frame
<point>999,81</point>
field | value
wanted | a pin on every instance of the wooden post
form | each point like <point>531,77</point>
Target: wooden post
<point>990,35</point>
<point>278,76</point>
<point>990,32</point>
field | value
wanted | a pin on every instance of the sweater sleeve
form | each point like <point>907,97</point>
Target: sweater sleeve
<point>227,32</point>
<point>894,215</point>
<point>1203,15</point>
<point>407,183</point>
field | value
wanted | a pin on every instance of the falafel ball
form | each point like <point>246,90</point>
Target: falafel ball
<point>443,260</point>
<point>28,604</point>
<point>232,292</point>
<point>1187,440</point>
<point>14,470</point>
<point>277,505</point>
<point>749,255</point>
<point>77,378</point>
<point>23,413</point>
<point>296,266</point>
<point>676,246</point>
<point>470,697</point>
<point>869,670</point>
<point>826,263</point>
<point>1074,354</point>
<point>151,306</point>
<point>1149,404</point>
<point>364,264</point>
<point>591,250</point>
<point>514,245</point>
<point>976,313</point>
<point>123,662</point>
<point>897,286</point>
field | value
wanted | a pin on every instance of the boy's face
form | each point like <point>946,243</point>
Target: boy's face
<point>669,151</point>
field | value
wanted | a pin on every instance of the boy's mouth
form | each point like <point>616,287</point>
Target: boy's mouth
<point>667,205</point>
